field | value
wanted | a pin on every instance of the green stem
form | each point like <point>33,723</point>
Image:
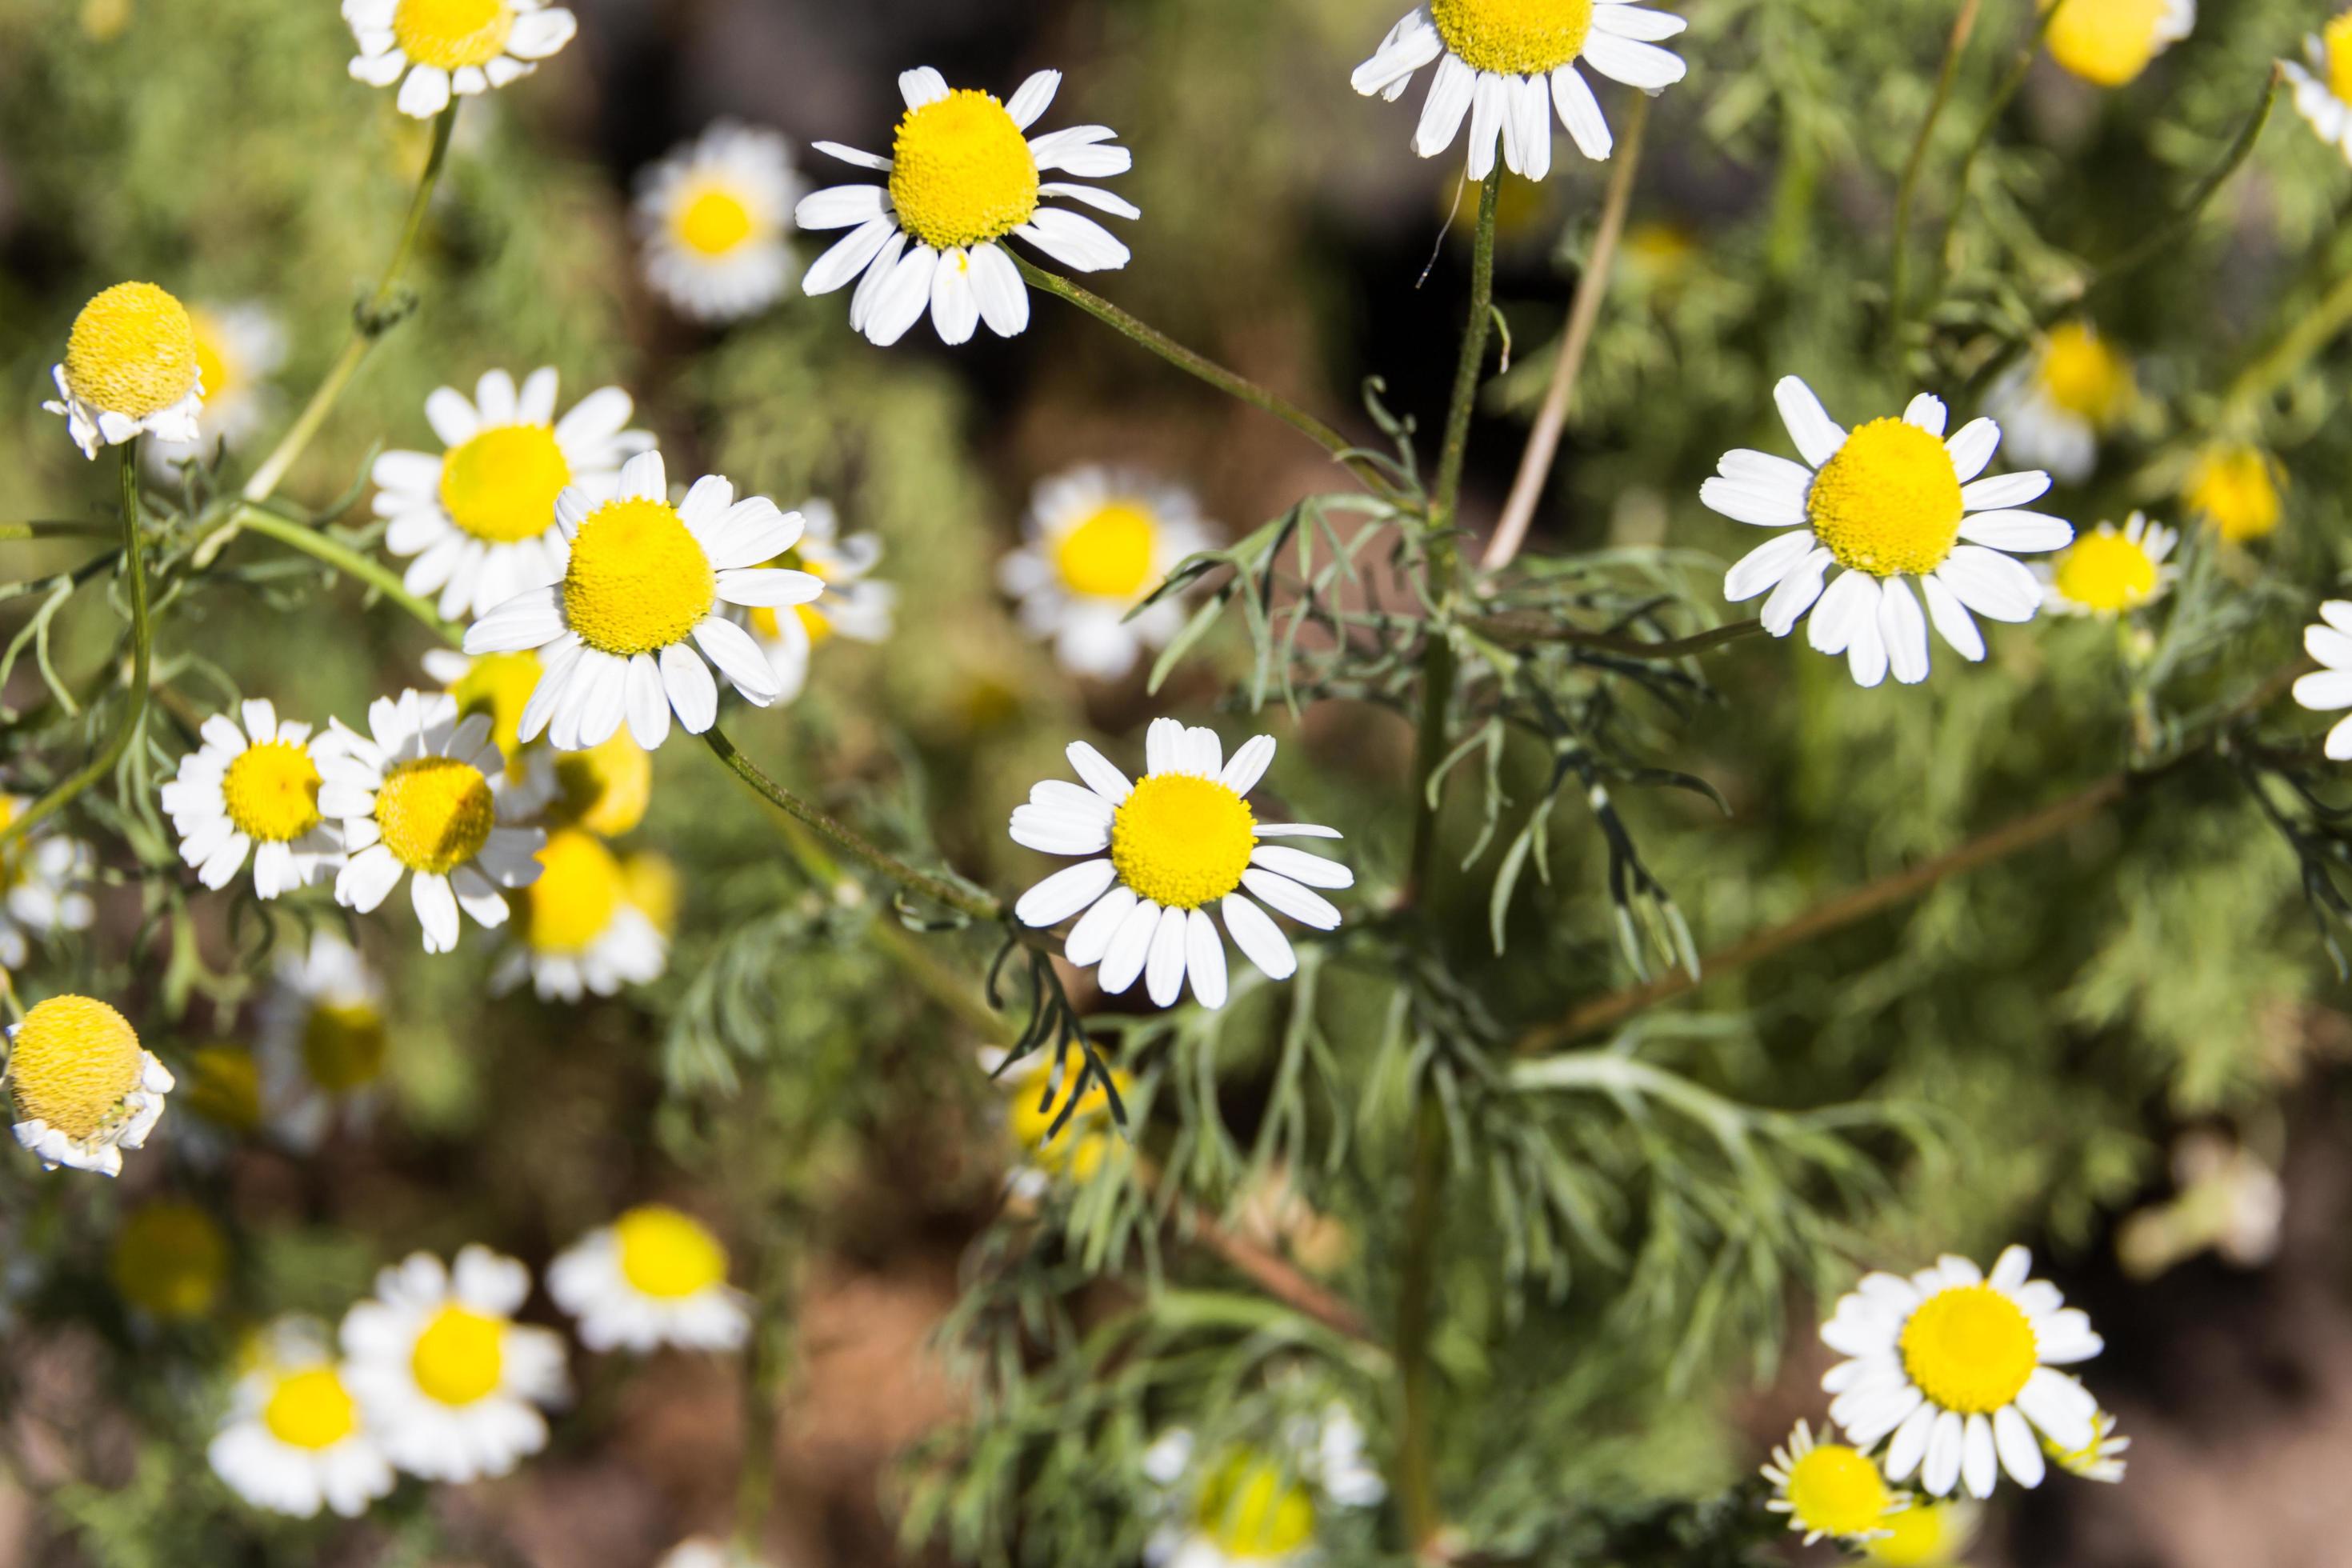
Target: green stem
<point>2019,70</point>
<point>135,568</point>
<point>16,532</point>
<point>1907,191</point>
<point>1416,1477</point>
<point>346,559</point>
<point>1450,457</point>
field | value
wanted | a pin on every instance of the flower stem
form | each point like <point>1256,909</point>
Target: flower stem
<point>18,532</point>
<point>343,559</point>
<point>1963,26</point>
<point>2019,70</point>
<point>134,570</point>
<point>1416,1477</point>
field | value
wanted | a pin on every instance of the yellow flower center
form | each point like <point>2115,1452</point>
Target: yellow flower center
<point>2083,377</point>
<point>1182,841</point>
<point>1252,1511</point>
<point>1109,556</point>
<point>272,791</point>
<point>961,172</point>
<point>1086,1141</point>
<point>577,893</point>
<point>1925,1535</point>
<point>1513,37</point>
<point>311,1409</point>
<point>499,684</point>
<point>2106,41</point>
<point>2337,35</point>
<point>225,1087</point>
<point>1969,1349</point>
<point>1838,1492</point>
<point>2107,572</point>
<point>652,887</point>
<point>637,580</point>
<point>1889,502</point>
<point>169,1260</point>
<point>452,33</point>
<point>343,1045</point>
<point>500,487</point>
<point>2235,489</point>
<point>667,1255</point>
<point>12,858</point>
<point>217,369</point>
<point>73,1060</point>
<point>435,813</point>
<point>2080,1460</point>
<point>460,1356</point>
<point>605,789</point>
<point>812,619</point>
<point>713,222</point>
<point>133,351</point>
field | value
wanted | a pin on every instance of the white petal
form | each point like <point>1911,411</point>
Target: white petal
<point>1972,447</point>
<point>921,86</point>
<point>1101,776</point>
<point>1635,64</point>
<point>1248,764</point>
<point>1313,870</point>
<point>1130,946</point>
<point>903,298</point>
<point>424,94</point>
<point>1904,630</point>
<point>1002,294</point>
<point>848,257</point>
<point>1163,967</point>
<point>1074,240</point>
<point>1979,1466</point>
<point>2016,531</point>
<point>685,681</point>
<point>1797,594</point>
<point>1851,601</point>
<point>1450,91</point>
<point>1571,95</point>
<point>2005,490</point>
<point>1204,959</point>
<point>1817,435</point>
<point>841,206</point>
<point>1945,1443</point>
<point>1991,583</point>
<point>1033,98</point>
<point>955,308</point>
<point>1290,898</point>
<point>648,704</point>
<point>1064,893</point>
<point>1742,503</point>
<point>738,658</point>
<point>2020,1451</point>
<point>1260,940</point>
<point>1952,620</point>
<point>1089,939</point>
<point>1926,412</point>
<point>1764,566</point>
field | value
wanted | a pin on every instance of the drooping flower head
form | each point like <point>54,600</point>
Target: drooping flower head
<point>2054,407</point>
<point>2109,42</point>
<point>654,1277</point>
<point>715,217</point>
<point>2323,81</point>
<point>580,930</point>
<point>2107,572</point>
<point>252,789</point>
<point>1095,541</point>
<point>1827,1489</point>
<point>130,368</point>
<point>83,1088</point>
<point>2100,1460</point>
<point>438,47</point>
<point>853,606</point>
<point>295,1440</point>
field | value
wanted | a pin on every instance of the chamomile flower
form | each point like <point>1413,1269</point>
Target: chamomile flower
<point>1160,850</point>
<point>1925,1535</point>
<point>238,348</point>
<point>1036,1093</point>
<point>436,48</point>
<point>1244,1505</point>
<point>324,1040</point>
<point>420,794</point>
<point>40,887</point>
<point>252,789</point>
<point>2056,405</point>
<point>579,931</point>
<point>2100,1460</point>
<point>853,606</point>
<point>2323,86</point>
<point>2109,42</point>
<point>130,368</point>
<point>2105,573</point>
<point>481,517</point>
<point>449,1383</point>
<point>964,175</point>
<point>1960,1368</point>
<point>81,1086</point>
<point>1507,65</point>
<point>2329,690</point>
<point>2236,490</point>
<point>1891,501</point>
<point>497,685</point>
<point>654,1277</point>
<point>714,216</point>
<point>294,1440</point>
<point>1096,540</point>
<point>605,788</point>
<point>1829,1490</point>
<point>645,586</point>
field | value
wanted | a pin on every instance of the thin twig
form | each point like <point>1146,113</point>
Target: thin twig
<point>1907,191</point>
<point>312,542</point>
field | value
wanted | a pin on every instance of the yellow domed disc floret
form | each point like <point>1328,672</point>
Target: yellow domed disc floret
<point>576,896</point>
<point>448,34</point>
<point>2083,377</point>
<point>667,1255</point>
<point>637,582</point>
<point>712,222</point>
<point>500,486</point>
<point>2235,488</point>
<point>271,791</point>
<point>1182,841</point>
<point>2105,572</point>
<point>499,684</point>
<point>460,1356</point>
<point>73,1060</point>
<point>2107,42</point>
<point>1513,37</point>
<point>1837,1491</point>
<point>2338,40</point>
<point>606,788</point>
<point>311,1409</point>
<point>1109,556</point>
<point>1889,502</point>
<point>435,813</point>
<point>1969,1349</point>
<point>1250,1509</point>
<point>344,1045</point>
<point>961,172</point>
<point>133,351</point>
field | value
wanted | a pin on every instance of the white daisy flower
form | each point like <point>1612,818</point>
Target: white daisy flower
<point>963,176</point>
<point>1892,500</point>
<point>1095,541</point>
<point>1507,65</point>
<point>1954,1364</point>
<point>444,46</point>
<point>421,794</point>
<point>2105,573</point>
<point>2100,1459</point>
<point>714,217</point>
<point>2328,690</point>
<point>2109,42</point>
<point>2322,89</point>
<point>293,1440</point>
<point>645,586</point>
<point>238,348</point>
<point>323,1040</point>
<point>1162,849</point>
<point>481,517</point>
<point>1088,1143</point>
<point>41,883</point>
<point>81,1086</point>
<point>579,931</point>
<point>1829,1490</point>
<point>252,789</point>
<point>2054,407</point>
<point>1245,1508</point>
<point>654,1277</point>
<point>851,605</point>
<point>448,1382</point>
<point>130,368</point>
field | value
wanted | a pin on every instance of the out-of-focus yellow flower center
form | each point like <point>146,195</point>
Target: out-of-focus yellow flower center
<point>961,172</point>
<point>2337,37</point>
<point>311,1409</point>
<point>1970,1348</point>
<point>1251,1510</point>
<point>1182,841</point>
<point>2083,377</point>
<point>500,486</point>
<point>133,351</point>
<point>224,1085</point>
<point>1513,37</point>
<point>652,886</point>
<point>12,858</point>
<point>2107,42</point>
<point>1109,556</point>
<point>577,893</point>
<point>216,367</point>
<point>73,1060</point>
<point>1925,1535</point>
<point>605,789</point>
<point>452,33</point>
<point>435,813</point>
<point>344,1045</point>
<point>2084,1460</point>
<point>499,684</point>
<point>2107,572</point>
<point>460,1356</point>
<point>812,621</point>
<point>712,221</point>
<point>2235,488</point>
<point>637,580</point>
<point>666,1255</point>
<point>1087,1140</point>
<point>169,1259</point>
<point>1889,502</point>
<point>271,791</point>
<point>1837,1491</point>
